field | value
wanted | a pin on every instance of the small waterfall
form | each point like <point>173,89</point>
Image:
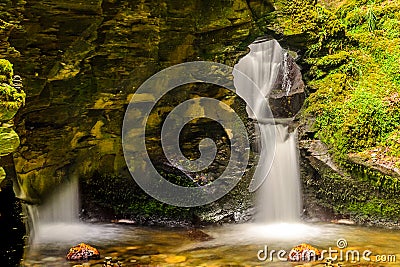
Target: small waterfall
<point>279,198</point>
<point>278,189</point>
<point>60,208</point>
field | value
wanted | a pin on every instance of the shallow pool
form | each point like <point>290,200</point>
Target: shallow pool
<point>227,245</point>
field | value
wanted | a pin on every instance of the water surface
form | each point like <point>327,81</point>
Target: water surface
<point>231,245</point>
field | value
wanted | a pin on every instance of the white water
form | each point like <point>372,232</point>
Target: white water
<point>279,198</point>
<point>277,184</point>
<point>58,217</point>
<point>62,206</point>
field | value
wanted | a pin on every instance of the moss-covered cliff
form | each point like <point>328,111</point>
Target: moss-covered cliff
<point>351,63</point>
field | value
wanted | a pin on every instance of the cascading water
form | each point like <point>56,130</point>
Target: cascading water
<point>279,198</point>
<point>60,208</point>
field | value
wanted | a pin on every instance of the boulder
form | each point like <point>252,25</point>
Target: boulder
<point>82,251</point>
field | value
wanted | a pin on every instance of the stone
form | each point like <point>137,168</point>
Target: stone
<point>82,251</point>
<point>198,235</point>
<point>304,252</point>
<point>286,104</point>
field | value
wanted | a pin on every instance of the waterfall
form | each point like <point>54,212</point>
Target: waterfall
<point>61,207</point>
<point>277,184</point>
<point>279,198</point>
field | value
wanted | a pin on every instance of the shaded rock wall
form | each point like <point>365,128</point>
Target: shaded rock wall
<point>83,60</point>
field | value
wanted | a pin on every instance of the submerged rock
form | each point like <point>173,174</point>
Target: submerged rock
<point>82,252</point>
<point>198,235</point>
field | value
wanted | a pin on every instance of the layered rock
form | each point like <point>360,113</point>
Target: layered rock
<point>81,76</point>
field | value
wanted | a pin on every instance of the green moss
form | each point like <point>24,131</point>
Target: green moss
<point>375,209</point>
<point>323,65</point>
<point>6,71</point>
<point>356,98</point>
<point>325,32</point>
<point>11,98</point>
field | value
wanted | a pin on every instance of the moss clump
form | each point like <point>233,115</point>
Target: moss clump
<point>10,97</point>
<point>324,32</point>
<point>6,71</point>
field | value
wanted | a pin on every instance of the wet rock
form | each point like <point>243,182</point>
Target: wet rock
<point>287,96</point>
<point>82,251</point>
<point>82,76</point>
<point>124,221</point>
<point>359,194</point>
<point>304,252</point>
<point>110,262</point>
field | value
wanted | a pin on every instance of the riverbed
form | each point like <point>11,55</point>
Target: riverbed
<point>225,245</point>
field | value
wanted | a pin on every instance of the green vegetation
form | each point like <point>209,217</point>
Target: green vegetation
<point>353,59</point>
<point>10,97</point>
<point>352,68</point>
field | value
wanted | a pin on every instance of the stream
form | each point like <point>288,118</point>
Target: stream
<point>230,245</point>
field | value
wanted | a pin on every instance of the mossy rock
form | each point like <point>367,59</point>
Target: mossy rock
<point>7,113</point>
<point>9,141</point>
<point>10,101</point>
<point>6,71</point>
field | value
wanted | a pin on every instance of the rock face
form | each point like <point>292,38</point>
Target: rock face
<point>81,76</point>
<point>359,192</point>
<point>288,96</point>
